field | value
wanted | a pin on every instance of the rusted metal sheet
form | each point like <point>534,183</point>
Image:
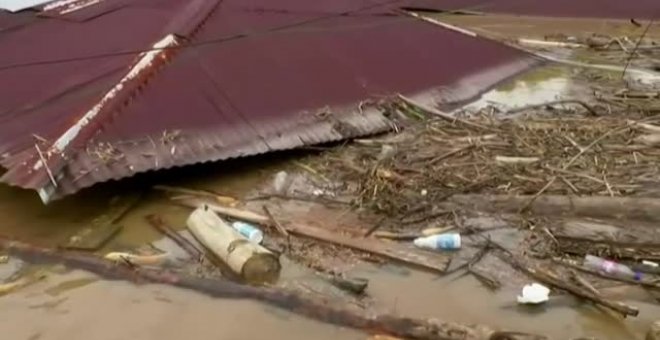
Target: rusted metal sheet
<point>549,8</point>
<point>155,84</point>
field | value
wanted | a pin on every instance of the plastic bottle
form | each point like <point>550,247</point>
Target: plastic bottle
<point>250,232</point>
<point>441,241</point>
<point>611,267</point>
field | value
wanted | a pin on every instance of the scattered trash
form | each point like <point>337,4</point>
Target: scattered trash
<point>449,241</point>
<point>250,232</point>
<point>611,267</point>
<point>534,293</point>
<point>650,263</point>
<point>423,187</point>
<point>281,182</point>
<point>385,250</point>
<point>251,261</point>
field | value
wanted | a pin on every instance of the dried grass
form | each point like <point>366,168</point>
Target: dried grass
<point>568,154</point>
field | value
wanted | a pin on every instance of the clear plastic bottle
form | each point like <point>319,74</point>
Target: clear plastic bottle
<point>441,241</point>
<point>610,267</point>
<point>250,232</point>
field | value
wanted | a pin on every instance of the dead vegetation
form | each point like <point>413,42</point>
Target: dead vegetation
<point>565,153</point>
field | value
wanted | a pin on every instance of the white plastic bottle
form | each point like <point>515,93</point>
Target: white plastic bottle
<point>611,267</point>
<point>448,241</point>
<point>250,232</point>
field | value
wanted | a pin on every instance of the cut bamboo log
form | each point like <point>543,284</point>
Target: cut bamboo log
<point>401,253</point>
<point>251,261</point>
<point>642,208</point>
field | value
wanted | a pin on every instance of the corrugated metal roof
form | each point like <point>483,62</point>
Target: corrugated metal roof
<point>213,81</point>
<point>622,9</point>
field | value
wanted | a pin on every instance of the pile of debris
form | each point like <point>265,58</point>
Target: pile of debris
<point>577,154</point>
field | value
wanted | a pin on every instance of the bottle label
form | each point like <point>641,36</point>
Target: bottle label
<point>608,266</point>
<point>446,242</point>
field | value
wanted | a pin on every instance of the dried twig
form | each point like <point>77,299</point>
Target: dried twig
<point>45,164</point>
<point>634,51</point>
<point>440,114</point>
<point>279,227</point>
<point>587,107</point>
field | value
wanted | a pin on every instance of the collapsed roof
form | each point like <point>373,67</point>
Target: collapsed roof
<point>97,90</point>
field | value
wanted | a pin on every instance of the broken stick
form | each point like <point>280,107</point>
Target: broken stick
<point>181,241</point>
<point>445,116</point>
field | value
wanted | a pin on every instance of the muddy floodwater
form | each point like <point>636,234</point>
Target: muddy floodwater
<point>78,305</point>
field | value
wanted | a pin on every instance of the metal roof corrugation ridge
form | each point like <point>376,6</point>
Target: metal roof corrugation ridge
<point>188,154</point>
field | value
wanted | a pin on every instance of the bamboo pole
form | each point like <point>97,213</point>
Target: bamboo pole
<point>251,261</point>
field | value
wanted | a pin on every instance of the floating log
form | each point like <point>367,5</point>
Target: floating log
<point>251,261</point>
<point>318,309</point>
<point>642,208</point>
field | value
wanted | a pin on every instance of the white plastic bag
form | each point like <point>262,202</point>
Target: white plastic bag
<point>534,294</point>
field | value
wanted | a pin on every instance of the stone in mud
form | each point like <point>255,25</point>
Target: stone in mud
<point>654,332</point>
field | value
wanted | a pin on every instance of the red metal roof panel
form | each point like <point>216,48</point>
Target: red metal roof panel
<point>229,83</point>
